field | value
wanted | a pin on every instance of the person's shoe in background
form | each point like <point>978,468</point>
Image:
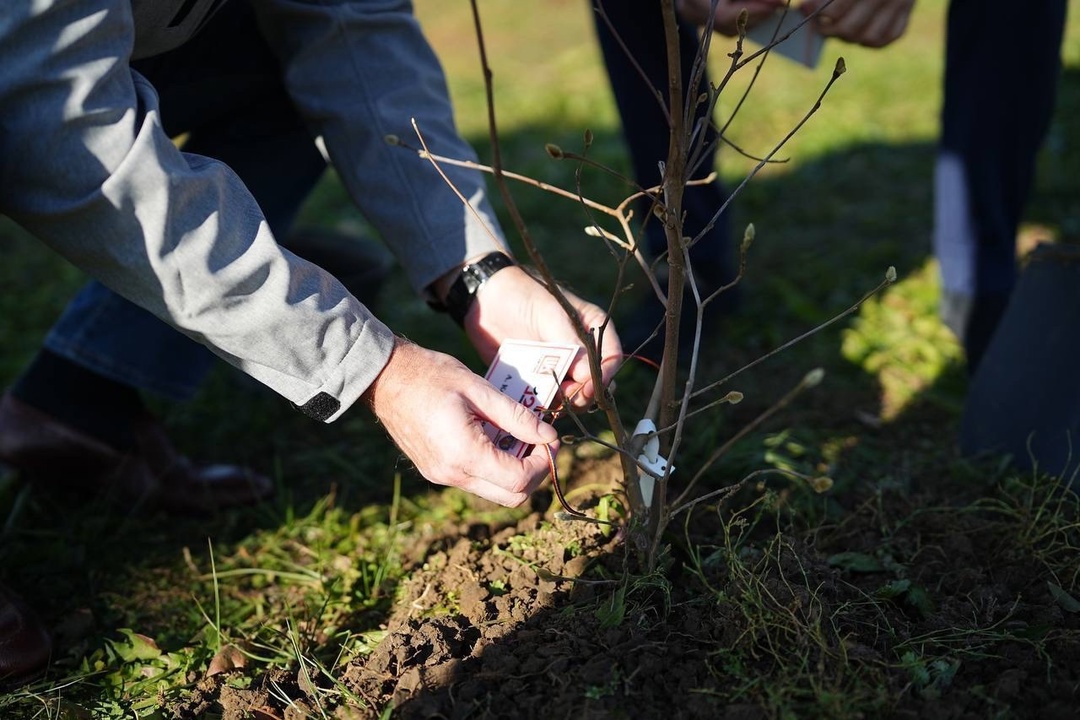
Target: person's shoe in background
<point>149,474</point>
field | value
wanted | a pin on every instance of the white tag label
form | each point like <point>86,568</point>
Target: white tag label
<point>804,46</point>
<point>529,372</point>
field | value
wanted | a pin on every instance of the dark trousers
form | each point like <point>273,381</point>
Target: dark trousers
<point>1003,62</point>
<point>639,24</point>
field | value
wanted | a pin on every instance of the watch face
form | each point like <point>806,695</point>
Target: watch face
<point>474,276</point>
<point>462,293</point>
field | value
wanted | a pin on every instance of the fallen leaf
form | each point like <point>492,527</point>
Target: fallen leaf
<point>856,562</point>
<point>1067,602</point>
<point>228,658</point>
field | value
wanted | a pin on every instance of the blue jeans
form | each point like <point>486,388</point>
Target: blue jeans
<point>223,90</point>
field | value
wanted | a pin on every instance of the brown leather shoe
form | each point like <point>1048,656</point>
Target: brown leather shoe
<point>25,645</point>
<point>151,474</point>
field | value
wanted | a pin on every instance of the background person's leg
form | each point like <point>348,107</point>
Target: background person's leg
<point>1002,73</point>
<point>639,25</point>
<point>78,404</point>
<point>1002,67</point>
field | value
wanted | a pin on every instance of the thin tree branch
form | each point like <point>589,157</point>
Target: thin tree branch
<point>890,278</point>
<point>593,346</point>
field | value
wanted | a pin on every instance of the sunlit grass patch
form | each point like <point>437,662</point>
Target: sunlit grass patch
<point>899,339</point>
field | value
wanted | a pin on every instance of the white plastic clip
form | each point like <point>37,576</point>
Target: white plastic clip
<point>653,464</point>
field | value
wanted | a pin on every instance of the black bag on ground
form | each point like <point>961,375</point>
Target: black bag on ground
<point>1024,399</point>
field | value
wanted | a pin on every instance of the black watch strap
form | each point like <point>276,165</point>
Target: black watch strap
<point>462,293</point>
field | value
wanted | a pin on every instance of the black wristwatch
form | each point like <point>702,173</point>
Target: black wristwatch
<point>462,293</point>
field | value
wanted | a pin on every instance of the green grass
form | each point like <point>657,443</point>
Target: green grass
<point>144,604</point>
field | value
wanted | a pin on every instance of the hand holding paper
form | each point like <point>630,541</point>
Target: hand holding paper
<point>804,43</point>
<point>873,23</point>
<point>726,19</point>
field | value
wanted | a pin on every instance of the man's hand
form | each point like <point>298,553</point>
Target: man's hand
<point>727,13</point>
<point>513,305</point>
<point>432,406</point>
<point>873,23</point>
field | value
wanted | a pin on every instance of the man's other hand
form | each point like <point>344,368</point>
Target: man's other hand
<point>512,305</point>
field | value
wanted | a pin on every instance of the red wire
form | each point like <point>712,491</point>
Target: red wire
<point>551,453</point>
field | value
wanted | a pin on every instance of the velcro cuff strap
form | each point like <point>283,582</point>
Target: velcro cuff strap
<point>321,407</point>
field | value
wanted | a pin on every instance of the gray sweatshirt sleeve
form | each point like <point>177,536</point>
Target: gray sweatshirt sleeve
<point>359,71</point>
<point>87,168</point>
